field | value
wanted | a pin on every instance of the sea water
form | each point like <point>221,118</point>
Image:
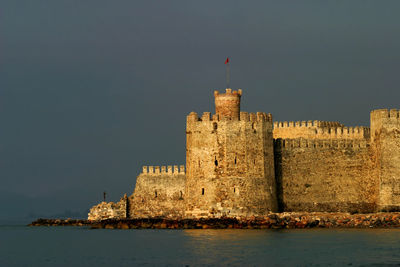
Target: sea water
<point>81,246</point>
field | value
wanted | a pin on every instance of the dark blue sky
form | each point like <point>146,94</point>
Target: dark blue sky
<point>92,90</point>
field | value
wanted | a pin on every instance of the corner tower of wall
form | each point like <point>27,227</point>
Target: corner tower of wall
<point>229,159</point>
<point>385,140</point>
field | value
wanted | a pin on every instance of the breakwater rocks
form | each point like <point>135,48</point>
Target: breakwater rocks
<point>271,221</point>
<point>60,222</point>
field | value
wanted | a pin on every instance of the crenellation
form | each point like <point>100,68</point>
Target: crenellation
<point>253,117</point>
<point>380,113</point>
<point>260,116</point>
<point>193,116</point>
<point>215,117</point>
<point>269,117</point>
<point>206,116</point>
<point>144,169</point>
<point>325,130</point>
<point>181,169</point>
<point>162,170</point>
<point>394,113</point>
<point>244,116</point>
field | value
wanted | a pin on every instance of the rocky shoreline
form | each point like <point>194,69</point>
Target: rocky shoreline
<point>271,221</point>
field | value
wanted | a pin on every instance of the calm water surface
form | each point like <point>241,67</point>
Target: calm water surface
<point>74,246</point>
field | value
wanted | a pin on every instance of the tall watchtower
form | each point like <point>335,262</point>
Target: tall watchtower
<point>229,161</point>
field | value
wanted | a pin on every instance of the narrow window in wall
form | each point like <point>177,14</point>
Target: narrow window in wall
<point>202,191</point>
<point>199,163</point>
<point>181,194</point>
<point>234,190</point>
<point>155,193</point>
<point>215,126</point>
<point>235,160</point>
<point>254,161</point>
<point>216,161</point>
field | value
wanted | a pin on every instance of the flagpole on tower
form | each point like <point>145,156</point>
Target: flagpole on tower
<point>227,73</point>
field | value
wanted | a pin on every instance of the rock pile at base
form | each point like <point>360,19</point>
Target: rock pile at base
<point>271,221</point>
<point>60,222</point>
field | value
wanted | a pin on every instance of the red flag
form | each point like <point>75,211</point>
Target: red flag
<point>227,60</point>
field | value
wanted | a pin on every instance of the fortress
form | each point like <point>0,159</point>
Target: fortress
<point>241,164</point>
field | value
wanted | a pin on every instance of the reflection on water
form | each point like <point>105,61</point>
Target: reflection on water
<point>84,247</point>
<point>296,247</point>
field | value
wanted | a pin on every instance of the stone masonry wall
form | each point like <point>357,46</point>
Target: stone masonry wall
<point>109,210</point>
<point>385,133</point>
<point>159,192</point>
<point>325,175</point>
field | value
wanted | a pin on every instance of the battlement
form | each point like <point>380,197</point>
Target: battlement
<point>318,144</point>
<point>286,124</point>
<point>244,116</point>
<point>319,130</point>
<point>228,91</point>
<point>385,113</point>
<point>163,170</point>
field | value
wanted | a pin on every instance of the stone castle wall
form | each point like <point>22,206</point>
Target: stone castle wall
<point>325,175</point>
<point>159,192</point>
<point>385,136</point>
<point>230,169</point>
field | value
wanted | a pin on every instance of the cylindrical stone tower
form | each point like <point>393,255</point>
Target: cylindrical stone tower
<point>228,105</point>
